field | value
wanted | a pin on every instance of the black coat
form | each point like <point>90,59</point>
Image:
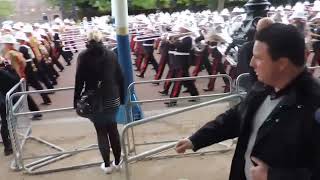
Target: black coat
<point>288,141</point>
<point>99,64</point>
<point>7,80</point>
<point>243,66</point>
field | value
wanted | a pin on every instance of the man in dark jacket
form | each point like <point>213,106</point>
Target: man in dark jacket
<point>277,124</point>
<point>245,55</point>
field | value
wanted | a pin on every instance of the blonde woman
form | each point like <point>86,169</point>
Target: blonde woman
<point>98,68</point>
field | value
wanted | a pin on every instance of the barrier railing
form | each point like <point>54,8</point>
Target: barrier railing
<point>240,78</point>
<point>125,131</point>
<point>12,125</point>
<point>131,103</point>
<point>48,158</point>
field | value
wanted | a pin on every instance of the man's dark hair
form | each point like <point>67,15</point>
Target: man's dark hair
<point>284,41</point>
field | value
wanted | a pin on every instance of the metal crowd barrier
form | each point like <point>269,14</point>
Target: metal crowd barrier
<point>12,123</point>
<point>143,155</point>
<point>131,103</point>
<point>19,158</point>
<point>240,78</point>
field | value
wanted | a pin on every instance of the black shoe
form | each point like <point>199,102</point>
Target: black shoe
<point>61,70</point>
<point>46,103</point>
<point>36,117</point>
<point>54,83</point>
<point>194,100</point>
<point>140,75</point>
<point>156,83</point>
<point>171,103</point>
<point>164,92</point>
<point>8,151</point>
<point>207,89</point>
<point>68,64</point>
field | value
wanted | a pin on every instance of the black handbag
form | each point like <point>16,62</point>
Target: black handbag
<point>90,102</point>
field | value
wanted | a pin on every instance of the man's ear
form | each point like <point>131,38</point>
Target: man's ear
<point>283,63</point>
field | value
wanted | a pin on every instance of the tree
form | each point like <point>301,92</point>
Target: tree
<point>100,5</point>
<point>144,4</point>
<point>6,8</point>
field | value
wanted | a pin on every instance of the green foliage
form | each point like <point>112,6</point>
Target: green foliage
<point>144,4</point>
<point>104,6</point>
<point>6,8</point>
<point>164,4</point>
<point>100,5</point>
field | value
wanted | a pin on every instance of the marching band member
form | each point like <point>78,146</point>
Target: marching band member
<point>53,52</point>
<point>18,67</point>
<point>182,55</point>
<point>213,40</point>
<point>44,48</point>
<point>148,54</point>
<point>31,69</point>
<point>38,60</point>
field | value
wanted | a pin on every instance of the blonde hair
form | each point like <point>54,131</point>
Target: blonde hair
<point>95,35</point>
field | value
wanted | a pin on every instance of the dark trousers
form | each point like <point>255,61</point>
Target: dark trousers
<point>162,65</point>
<point>107,134</point>
<point>58,64</point>
<point>149,58</point>
<point>43,77</point>
<point>183,72</point>
<point>140,55</point>
<point>200,60</point>
<point>46,69</point>
<point>171,73</point>
<point>4,127</point>
<point>32,104</point>
<point>217,67</point>
<point>67,56</point>
<point>132,43</point>
<point>33,80</point>
<point>53,71</point>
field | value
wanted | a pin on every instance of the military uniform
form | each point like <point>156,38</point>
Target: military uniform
<point>31,72</point>
<point>217,67</point>
<point>46,64</point>
<point>164,49</point>
<point>40,64</point>
<point>148,57</point>
<point>181,64</point>
<point>201,58</point>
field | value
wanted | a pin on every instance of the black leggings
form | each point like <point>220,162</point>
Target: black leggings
<point>105,132</point>
<point>4,127</point>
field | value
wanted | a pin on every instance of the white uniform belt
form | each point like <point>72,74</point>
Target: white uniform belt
<point>147,44</point>
<point>29,60</point>
<point>179,53</point>
<point>172,52</point>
